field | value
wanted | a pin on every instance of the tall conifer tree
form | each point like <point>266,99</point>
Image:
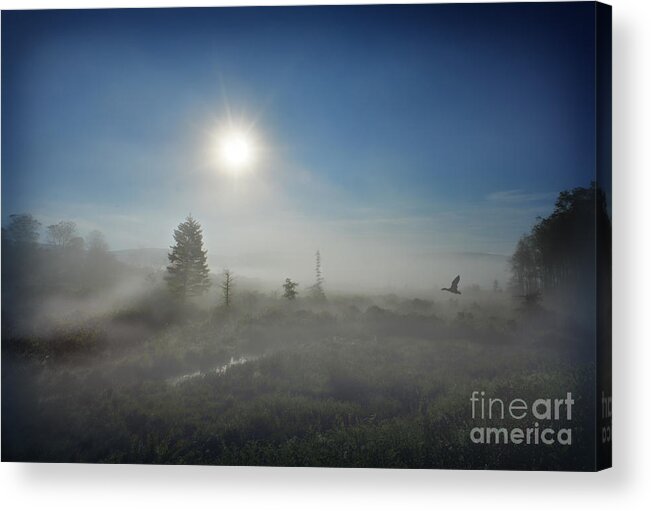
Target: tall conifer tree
<point>188,269</point>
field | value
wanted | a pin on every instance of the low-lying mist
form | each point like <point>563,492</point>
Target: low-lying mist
<point>111,357</point>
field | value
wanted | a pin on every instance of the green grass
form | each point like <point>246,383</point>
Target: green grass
<point>373,388</point>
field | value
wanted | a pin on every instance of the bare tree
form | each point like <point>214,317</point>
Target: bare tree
<point>61,234</point>
<point>317,289</point>
<point>227,286</point>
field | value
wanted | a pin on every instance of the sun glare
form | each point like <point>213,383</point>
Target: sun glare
<point>236,151</point>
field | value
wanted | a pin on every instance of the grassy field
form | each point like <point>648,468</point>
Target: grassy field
<point>355,382</point>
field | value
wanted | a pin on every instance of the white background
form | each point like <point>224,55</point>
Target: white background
<point>627,486</point>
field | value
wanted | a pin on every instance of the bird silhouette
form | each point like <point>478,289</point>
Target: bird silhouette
<point>454,287</point>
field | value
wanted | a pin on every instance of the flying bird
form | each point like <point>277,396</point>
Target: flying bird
<point>454,287</point>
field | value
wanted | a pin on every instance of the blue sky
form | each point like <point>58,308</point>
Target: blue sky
<point>420,128</point>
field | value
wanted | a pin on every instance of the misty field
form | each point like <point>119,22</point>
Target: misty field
<point>123,361</point>
<point>357,381</point>
<point>302,236</point>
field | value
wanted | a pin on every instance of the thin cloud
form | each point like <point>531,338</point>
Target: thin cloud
<point>512,196</point>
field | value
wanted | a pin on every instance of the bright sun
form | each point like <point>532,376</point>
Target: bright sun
<point>236,150</point>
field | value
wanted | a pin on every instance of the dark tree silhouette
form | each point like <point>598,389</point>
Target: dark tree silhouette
<point>558,256</point>
<point>227,287</point>
<point>525,266</point>
<point>290,289</point>
<point>23,229</point>
<point>187,273</point>
<point>21,256</point>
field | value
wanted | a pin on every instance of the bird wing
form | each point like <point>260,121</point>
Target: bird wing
<point>455,282</point>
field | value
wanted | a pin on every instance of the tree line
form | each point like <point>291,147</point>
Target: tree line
<point>557,257</point>
<point>64,261</point>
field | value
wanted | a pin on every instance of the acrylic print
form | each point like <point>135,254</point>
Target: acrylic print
<point>352,236</point>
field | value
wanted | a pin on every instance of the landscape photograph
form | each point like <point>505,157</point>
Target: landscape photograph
<point>328,236</point>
